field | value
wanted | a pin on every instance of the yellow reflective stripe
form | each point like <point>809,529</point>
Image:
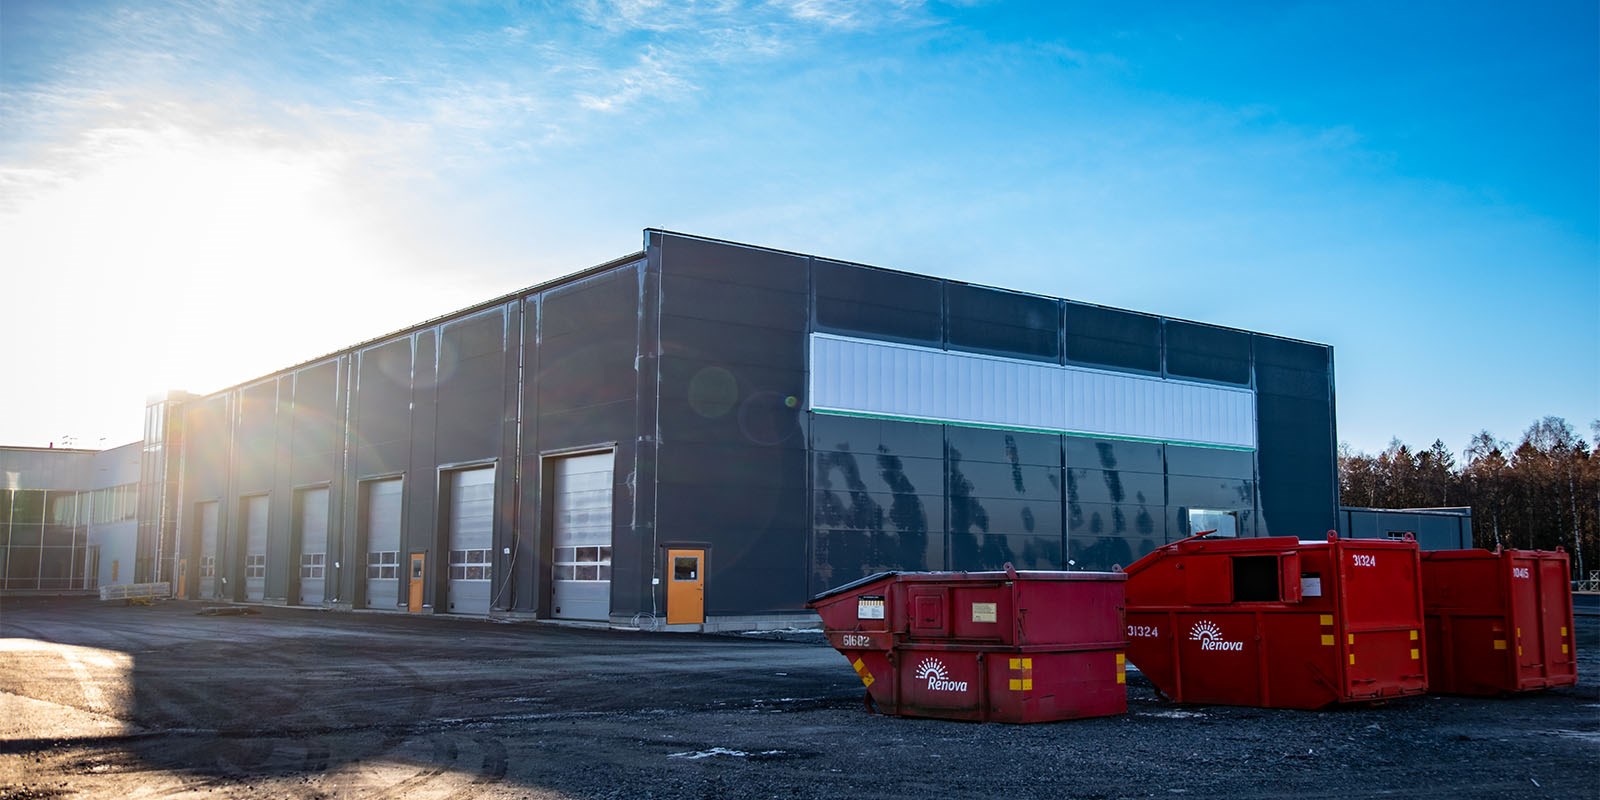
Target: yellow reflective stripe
<point>1122,659</point>
<point>1415,655</point>
<point>1350,638</point>
<point>1499,644</point>
<point>866,679</point>
<point>1016,683</point>
<point>1413,636</point>
<point>1027,684</point>
<point>1016,663</point>
<point>1327,619</point>
<point>1352,659</point>
<point>1327,639</point>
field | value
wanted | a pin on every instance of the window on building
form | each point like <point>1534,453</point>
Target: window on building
<point>312,565</point>
<point>469,565</point>
<point>255,566</point>
<point>383,564</point>
<point>583,563</point>
<point>1224,523</point>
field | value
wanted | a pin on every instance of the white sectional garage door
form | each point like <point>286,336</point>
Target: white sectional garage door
<point>582,537</point>
<point>313,545</point>
<point>208,549</point>
<point>255,546</point>
<point>471,539</point>
<point>383,542</point>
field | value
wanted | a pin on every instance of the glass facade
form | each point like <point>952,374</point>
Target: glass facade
<point>44,535</point>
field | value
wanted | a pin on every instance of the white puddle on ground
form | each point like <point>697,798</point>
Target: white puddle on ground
<point>722,751</point>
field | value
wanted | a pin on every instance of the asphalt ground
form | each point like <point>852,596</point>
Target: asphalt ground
<point>101,700</point>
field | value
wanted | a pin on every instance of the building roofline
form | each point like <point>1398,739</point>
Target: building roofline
<point>858,264</point>
<point>572,277</point>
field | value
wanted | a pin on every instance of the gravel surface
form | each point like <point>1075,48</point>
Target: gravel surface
<point>111,701</point>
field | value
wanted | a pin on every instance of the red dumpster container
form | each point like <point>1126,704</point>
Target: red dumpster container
<point>989,646</point>
<point>1498,622</point>
<point>1278,622</point>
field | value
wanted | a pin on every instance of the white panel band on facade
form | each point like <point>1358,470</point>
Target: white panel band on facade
<point>863,376</point>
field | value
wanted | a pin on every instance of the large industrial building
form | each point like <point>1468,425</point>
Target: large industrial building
<point>708,433</point>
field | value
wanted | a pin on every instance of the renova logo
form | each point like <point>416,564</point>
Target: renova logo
<point>938,677</point>
<point>1209,636</point>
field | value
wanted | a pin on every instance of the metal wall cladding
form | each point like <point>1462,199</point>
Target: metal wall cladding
<point>1116,501</point>
<point>879,499</point>
<point>1004,490</point>
<point>998,322</point>
<point>317,426</point>
<point>870,377</point>
<point>731,464</point>
<point>588,381</point>
<point>1109,337</point>
<point>206,447</point>
<point>878,304</point>
<point>471,387</point>
<point>255,437</point>
<point>382,414</point>
<point>1299,485</point>
<point>1207,352</point>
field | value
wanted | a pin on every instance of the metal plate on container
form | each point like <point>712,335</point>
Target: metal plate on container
<point>869,607</point>
<point>984,612</point>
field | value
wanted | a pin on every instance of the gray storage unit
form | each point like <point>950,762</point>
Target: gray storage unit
<point>382,535</point>
<point>207,513</point>
<point>471,520</point>
<point>1433,528</point>
<point>582,537</point>
<point>254,518</point>
<point>313,522</point>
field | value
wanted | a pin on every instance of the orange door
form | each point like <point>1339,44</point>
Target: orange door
<point>183,578</point>
<point>418,561</point>
<point>686,587</point>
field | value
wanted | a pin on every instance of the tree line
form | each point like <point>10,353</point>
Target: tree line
<point>1542,493</point>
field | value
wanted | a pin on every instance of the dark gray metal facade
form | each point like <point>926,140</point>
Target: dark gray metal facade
<point>689,363</point>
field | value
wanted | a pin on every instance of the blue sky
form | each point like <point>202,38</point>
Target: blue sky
<point>1416,184</point>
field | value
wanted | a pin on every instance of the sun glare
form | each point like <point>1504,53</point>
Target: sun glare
<point>169,259</point>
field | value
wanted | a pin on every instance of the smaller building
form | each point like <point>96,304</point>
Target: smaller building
<point>1433,528</point>
<point>69,518</point>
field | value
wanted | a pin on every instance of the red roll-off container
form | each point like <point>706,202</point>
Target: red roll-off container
<point>1278,622</point>
<point>1498,622</point>
<point>1007,646</point>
